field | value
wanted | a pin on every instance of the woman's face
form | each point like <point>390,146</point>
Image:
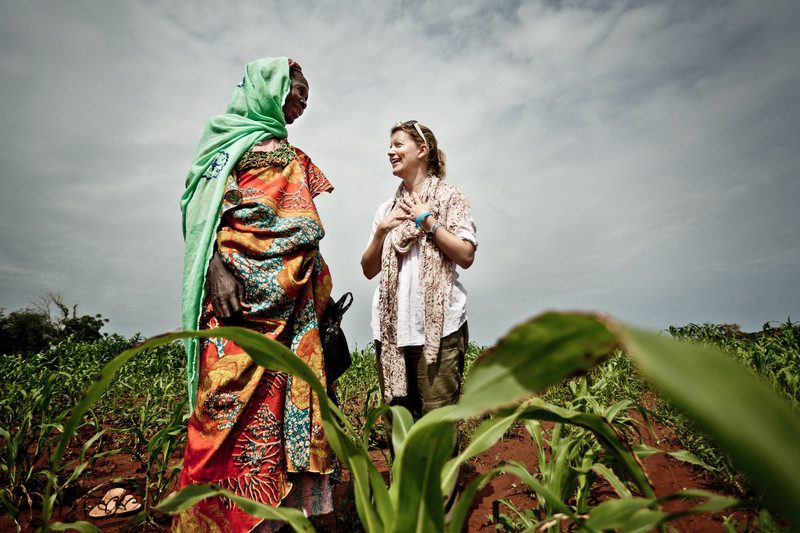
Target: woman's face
<point>404,154</point>
<point>296,100</point>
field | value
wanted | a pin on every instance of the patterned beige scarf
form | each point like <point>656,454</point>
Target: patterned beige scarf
<point>450,207</point>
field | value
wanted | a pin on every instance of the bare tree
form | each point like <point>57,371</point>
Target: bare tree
<point>53,302</point>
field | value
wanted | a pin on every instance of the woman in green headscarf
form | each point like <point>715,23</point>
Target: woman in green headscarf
<point>252,258</point>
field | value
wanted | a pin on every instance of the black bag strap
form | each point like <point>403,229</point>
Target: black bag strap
<point>335,312</point>
<point>344,303</point>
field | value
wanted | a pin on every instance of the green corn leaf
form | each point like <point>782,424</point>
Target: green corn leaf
<point>11,509</point>
<point>612,412</point>
<point>81,527</point>
<point>612,479</point>
<point>137,432</point>
<point>559,476</point>
<point>89,443</point>
<point>534,427</point>
<point>643,450</point>
<point>533,356</point>
<point>461,507</point>
<point>487,434</point>
<point>540,410</point>
<point>366,479</point>
<point>106,453</point>
<point>382,502</point>
<point>541,490</point>
<point>751,422</point>
<point>47,505</point>
<point>615,513</point>
<point>416,491</point>
<point>76,473</point>
<point>19,438</point>
<point>643,521</point>
<point>192,494</point>
<point>714,502</point>
<point>372,417</point>
<point>402,421</point>
<point>688,457</point>
<point>524,520</point>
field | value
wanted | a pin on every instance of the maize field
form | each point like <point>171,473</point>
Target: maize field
<point>559,425</point>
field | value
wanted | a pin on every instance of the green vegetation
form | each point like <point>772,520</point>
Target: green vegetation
<point>581,429</point>
<point>772,354</point>
<point>141,415</point>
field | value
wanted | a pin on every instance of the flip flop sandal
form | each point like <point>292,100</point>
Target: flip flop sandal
<point>129,504</point>
<point>108,504</point>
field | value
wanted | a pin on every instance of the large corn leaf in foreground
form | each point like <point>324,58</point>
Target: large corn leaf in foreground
<point>194,493</point>
<point>416,492</point>
<point>533,356</point>
<point>754,425</point>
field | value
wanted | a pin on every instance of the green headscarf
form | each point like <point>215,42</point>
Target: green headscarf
<point>255,112</point>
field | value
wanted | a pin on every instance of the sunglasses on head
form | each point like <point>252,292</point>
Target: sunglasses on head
<point>416,127</point>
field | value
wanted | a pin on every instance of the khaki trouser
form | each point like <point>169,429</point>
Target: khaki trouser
<point>435,385</point>
<point>431,386</point>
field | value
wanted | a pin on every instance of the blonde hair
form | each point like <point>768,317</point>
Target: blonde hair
<point>422,135</point>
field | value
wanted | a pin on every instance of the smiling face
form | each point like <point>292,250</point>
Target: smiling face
<point>296,100</point>
<point>405,156</point>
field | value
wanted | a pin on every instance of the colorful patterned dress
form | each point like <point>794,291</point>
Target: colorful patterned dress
<point>257,432</point>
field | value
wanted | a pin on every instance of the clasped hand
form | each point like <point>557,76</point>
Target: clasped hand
<point>408,208</point>
<point>413,206</point>
<point>225,291</point>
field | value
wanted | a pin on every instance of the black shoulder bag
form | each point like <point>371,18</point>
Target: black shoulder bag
<point>335,351</point>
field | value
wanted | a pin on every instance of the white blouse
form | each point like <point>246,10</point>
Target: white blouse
<point>410,304</point>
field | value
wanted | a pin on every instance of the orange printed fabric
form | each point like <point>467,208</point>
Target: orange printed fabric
<point>254,431</point>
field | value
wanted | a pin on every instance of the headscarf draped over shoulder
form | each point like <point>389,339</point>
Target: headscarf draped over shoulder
<point>255,112</point>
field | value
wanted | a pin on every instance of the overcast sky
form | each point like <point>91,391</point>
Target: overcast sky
<point>636,158</point>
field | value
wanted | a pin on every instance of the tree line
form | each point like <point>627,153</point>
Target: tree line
<point>46,323</point>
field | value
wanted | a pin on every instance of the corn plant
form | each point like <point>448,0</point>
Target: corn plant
<point>717,393</point>
<point>772,354</point>
<point>576,459</point>
<point>27,449</point>
<point>155,453</point>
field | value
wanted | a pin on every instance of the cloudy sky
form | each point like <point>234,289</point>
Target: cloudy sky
<point>636,158</point>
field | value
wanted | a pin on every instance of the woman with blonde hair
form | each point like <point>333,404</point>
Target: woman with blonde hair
<point>419,236</point>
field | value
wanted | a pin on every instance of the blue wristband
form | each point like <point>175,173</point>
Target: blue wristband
<point>422,217</point>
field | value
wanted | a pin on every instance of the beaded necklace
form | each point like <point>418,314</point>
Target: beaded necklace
<point>279,157</point>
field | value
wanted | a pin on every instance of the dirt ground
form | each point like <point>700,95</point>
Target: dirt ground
<point>666,474</point>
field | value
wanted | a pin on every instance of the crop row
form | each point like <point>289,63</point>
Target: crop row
<point>138,409</point>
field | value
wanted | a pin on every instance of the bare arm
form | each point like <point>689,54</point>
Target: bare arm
<point>371,258</point>
<point>456,249</point>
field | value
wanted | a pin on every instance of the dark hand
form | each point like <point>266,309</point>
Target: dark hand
<point>224,289</point>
